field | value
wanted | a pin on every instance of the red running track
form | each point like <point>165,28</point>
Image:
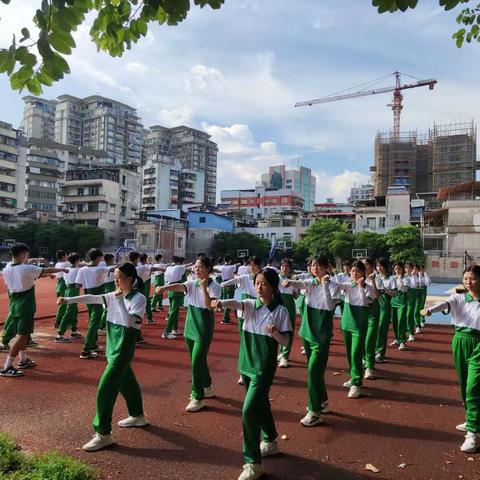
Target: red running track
<point>406,416</point>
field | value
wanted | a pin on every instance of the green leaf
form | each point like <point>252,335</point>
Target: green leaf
<point>44,78</point>
<point>4,60</point>
<point>19,78</point>
<point>26,34</point>
<point>29,60</point>
<point>61,42</point>
<point>34,86</point>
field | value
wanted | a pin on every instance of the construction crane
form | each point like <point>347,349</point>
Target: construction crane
<point>396,104</point>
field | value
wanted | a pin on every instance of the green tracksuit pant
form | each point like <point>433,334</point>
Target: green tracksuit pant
<point>466,355</point>
<point>9,330</point>
<point>148,308</point>
<point>419,303</point>
<point>383,324</point>
<point>201,379</point>
<point>317,359</point>
<point>399,319</point>
<point>289,304</point>
<point>70,317</point>
<point>227,293</point>
<point>372,334</point>
<point>176,301</point>
<point>158,281</point>
<point>355,347</point>
<point>411,306</point>
<point>94,320</point>
<point>60,288</point>
<point>257,418</point>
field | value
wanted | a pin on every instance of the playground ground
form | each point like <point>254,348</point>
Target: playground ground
<point>403,425</point>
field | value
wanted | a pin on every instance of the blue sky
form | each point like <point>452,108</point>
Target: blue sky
<point>238,71</point>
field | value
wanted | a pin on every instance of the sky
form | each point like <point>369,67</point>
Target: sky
<point>237,73</point>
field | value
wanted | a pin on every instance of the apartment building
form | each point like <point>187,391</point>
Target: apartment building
<point>39,118</point>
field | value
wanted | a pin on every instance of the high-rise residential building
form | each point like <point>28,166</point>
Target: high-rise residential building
<point>39,118</point>
<point>189,147</point>
<point>360,193</point>
<point>105,197</point>
<point>12,172</point>
<point>300,180</point>
<point>425,162</point>
<point>94,122</point>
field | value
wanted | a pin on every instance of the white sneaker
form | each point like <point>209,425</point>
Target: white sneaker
<point>194,405</point>
<point>268,449</point>
<point>402,346</point>
<point>395,342</point>
<point>128,422</point>
<point>252,471</point>
<point>462,427</point>
<point>208,392</point>
<point>422,324</point>
<point>311,419</point>
<point>325,408</point>
<point>354,392</point>
<point>176,332</point>
<point>279,357</point>
<point>98,442</point>
<point>302,351</point>
<point>283,363</point>
<point>411,338</point>
<point>418,330</point>
<point>470,445</point>
<point>169,336</point>
<point>378,358</point>
<point>348,384</point>
<point>240,380</point>
<point>369,374</point>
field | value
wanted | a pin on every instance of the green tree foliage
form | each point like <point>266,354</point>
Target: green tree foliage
<point>78,238</point>
<point>468,18</point>
<point>405,244</point>
<point>35,59</point>
<point>225,242</point>
<point>328,237</point>
<point>374,243</point>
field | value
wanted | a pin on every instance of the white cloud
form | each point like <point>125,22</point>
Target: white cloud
<point>202,76</point>
<point>338,186</point>
<point>136,68</point>
<point>175,116</point>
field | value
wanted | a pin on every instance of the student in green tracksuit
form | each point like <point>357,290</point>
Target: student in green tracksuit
<point>227,272</point>
<point>425,282</point>
<point>316,333</point>
<point>412,299</point>
<point>300,301</point>
<point>72,289</point>
<point>375,283</point>
<point>126,307</point>
<point>384,299</point>
<point>158,281</point>
<point>288,293</point>
<point>19,277</point>
<point>199,327</point>
<point>266,324</point>
<point>401,284</point>
<point>354,324</point>
<point>108,286</point>
<point>60,286</point>
<point>465,311</point>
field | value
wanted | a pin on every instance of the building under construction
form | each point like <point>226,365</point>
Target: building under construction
<point>425,162</point>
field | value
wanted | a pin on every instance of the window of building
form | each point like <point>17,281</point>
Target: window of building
<point>396,218</point>
<point>179,242</point>
<point>202,220</point>
<point>371,223</point>
<point>144,239</point>
<point>80,192</point>
<point>381,222</point>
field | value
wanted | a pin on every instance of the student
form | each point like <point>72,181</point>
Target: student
<point>19,277</point>
<point>288,293</point>
<point>218,273</point>
<point>266,324</point>
<point>412,297</point>
<point>425,282</point>
<point>386,293</point>
<point>91,278</point>
<point>301,305</point>
<point>373,318</point>
<point>199,327</point>
<point>354,324</point>
<point>174,274</point>
<point>72,289</point>
<point>108,286</point>
<point>465,311</point>
<point>144,271</point>
<point>227,272</point>
<point>125,307</point>
<point>270,264</point>
<point>316,333</point>
<point>158,281</point>
<point>343,277</point>
<point>62,262</point>
<point>245,268</point>
<point>400,283</point>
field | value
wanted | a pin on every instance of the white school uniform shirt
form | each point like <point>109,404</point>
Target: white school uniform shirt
<point>109,278</point>
<point>60,275</point>
<point>291,290</point>
<point>174,274</point>
<point>20,277</point>
<point>195,294</point>
<point>378,282</point>
<point>243,270</point>
<point>424,279</point>
<point>92,276</point>
<point>319,295</point>
<point>144,271</point>
<point>71,277</point>
<point>244,284</point>
<point>353,294</point>
<point>226,271</point>
<point>159,272</point>
<point>402,284</point>
<point>464,309</point>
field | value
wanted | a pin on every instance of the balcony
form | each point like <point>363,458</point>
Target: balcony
<point>75,198</point>
<point>433,230</point>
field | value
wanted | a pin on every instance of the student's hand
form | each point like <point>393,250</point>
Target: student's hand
<point>61,301</point>
<point>271,329</point>
<point>286,283</point>
<point>204,283</point>
<point>425,312</point>
<point>361,282</point>
<point>65,270</point>
<point>159,290</point>
<point>325,278</point>
<point>215,303</point>
<point>118,292</point>
<point>372,275</point>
